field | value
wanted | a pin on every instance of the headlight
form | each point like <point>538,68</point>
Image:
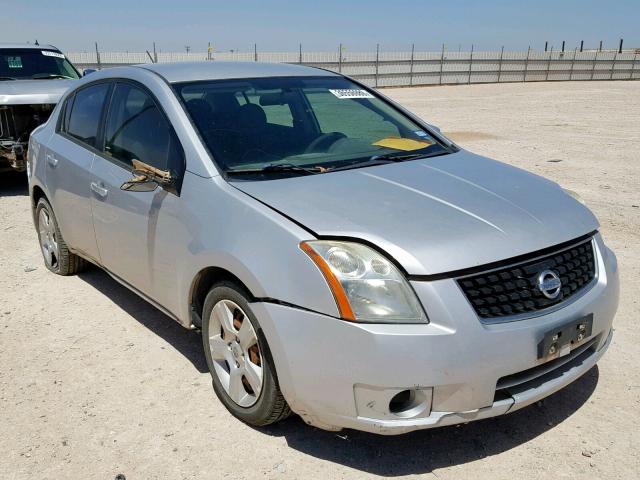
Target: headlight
<point>575,195</point>
<point>367,287</point>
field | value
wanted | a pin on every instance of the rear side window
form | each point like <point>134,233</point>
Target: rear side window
<point>84,119</point>
<point>137,129</point>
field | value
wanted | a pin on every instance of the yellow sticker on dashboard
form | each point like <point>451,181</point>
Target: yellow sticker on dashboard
<point>405,144</point>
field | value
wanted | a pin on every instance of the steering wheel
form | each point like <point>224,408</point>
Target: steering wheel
<point>324,141</point>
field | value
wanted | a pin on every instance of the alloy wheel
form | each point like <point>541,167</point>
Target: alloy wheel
<point>48,239</point>
<point>235,353</point>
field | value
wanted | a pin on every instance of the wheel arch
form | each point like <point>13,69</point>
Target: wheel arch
<point>202,283</point>
<point>36,194</point>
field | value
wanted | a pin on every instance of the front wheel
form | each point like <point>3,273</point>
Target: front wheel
<point>237,354</point>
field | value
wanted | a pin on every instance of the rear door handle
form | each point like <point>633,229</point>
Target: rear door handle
<point>99,190</point>
<point>51,160</point>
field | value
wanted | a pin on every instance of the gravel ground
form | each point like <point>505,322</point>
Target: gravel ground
<point>95,382</point>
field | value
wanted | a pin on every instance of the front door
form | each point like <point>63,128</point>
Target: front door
<point>127,223</point>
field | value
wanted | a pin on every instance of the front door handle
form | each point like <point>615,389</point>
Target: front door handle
<point>51,160</point>
<point>99,190</point>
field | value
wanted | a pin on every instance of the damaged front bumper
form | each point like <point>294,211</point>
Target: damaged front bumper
<point>16,124</point>
<point>337,374</point>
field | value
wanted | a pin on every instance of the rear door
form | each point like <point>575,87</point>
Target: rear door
<point>68,161</point>
<point>129,225</point>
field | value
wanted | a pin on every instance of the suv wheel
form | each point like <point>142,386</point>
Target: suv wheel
<point>55,251</point>
<point>238,357</point>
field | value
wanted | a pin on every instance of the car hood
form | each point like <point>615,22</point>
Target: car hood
<point>33,92</point>
<point>435,215</point>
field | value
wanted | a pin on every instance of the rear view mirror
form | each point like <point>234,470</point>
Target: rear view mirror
<point>276,98</point>
<point>87,71</point>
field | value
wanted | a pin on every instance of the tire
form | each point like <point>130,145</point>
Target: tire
<point>55,251</point>
<point>227,344</point>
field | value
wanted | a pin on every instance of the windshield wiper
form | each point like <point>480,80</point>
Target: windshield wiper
<point>8,78</point>
<point>387,158</point>
<point>40,76</point>
<point>277,168</point>
<point>379,160</point>
<point>397,158</point>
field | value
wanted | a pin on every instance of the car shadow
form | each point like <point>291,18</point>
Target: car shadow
<point>427,450</point>
<point>13,184</point>
<point>187,342</point>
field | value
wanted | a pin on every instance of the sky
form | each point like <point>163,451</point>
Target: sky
<point>320,25</point>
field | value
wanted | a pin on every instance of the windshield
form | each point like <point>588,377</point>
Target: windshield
<point>300,125</point>
<point>27,63</point>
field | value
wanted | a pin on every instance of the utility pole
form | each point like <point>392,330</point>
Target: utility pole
<point>98,57</point>
<point>187,48</point>
<point>413,47</point>
<point>441,63</point>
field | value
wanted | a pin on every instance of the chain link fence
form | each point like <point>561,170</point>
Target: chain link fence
<point>395,69</point>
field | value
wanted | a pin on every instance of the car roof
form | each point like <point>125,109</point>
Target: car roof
<point>27,46</point>
<point>217,70</point>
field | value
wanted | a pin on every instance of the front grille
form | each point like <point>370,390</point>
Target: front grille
<point>514,290</point>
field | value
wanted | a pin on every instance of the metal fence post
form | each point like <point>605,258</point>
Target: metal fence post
<point>526,65</point>
<point>500,64</point>
<point>340,58</point>
<point>593,67</point>
<point>633,65</point>
<point>546,78</point>
<point>377,61</point>
<point>441,64</point>
<point>613,66</point>
<point>573,61</point>
<point>411,65</point>
<point>470,65</point>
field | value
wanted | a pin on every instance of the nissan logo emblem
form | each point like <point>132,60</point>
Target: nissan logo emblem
<point>549,284</point>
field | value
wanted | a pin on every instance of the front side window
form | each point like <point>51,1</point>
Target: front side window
<point>86,111</point>
<point>31,63</point>
<point>301,123</point>
<point>136,129</point>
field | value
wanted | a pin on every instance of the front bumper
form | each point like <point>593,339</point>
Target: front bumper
<point>337,374</point>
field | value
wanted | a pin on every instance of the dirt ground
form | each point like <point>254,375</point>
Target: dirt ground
<point>95,382</point>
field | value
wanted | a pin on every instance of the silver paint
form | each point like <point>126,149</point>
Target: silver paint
<point>431,216</point>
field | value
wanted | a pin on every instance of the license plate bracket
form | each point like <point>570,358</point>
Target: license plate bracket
<point>559,341</point>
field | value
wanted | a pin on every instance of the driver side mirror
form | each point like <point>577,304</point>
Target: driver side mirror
<point>146,178</point>
<point>87,71</point>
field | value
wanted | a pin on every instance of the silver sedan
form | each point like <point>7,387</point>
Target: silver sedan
<point>344,260</point>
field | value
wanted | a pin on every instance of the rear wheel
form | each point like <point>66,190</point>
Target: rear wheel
<point>237,354</point>
<point>55,251</point>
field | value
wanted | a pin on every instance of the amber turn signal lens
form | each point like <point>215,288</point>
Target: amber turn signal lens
<point>344,307</point>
